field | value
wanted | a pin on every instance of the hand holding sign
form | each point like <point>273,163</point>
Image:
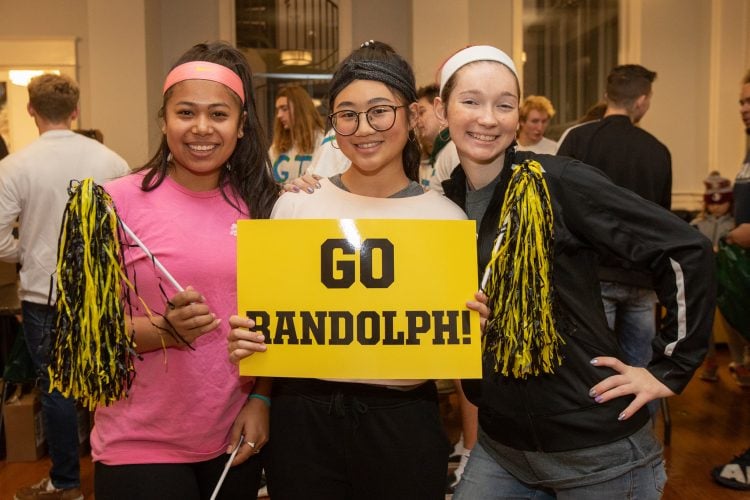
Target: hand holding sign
<point>371,299</point>
<point>243,341</point>
<point>480,305</point>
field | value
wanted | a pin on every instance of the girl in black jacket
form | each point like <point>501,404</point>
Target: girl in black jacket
<point>560,415</point>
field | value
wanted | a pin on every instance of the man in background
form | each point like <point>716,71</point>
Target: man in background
<point>33,189</point>
<point>636,160</point>
<point>534,115</point>
<point>736,474</point>
<point>430,132</point>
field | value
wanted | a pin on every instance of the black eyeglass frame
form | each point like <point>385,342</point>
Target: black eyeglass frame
<point>367,117</point>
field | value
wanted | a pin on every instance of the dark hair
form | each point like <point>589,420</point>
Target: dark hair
<point>249,177</point>
<point>595,112</point>
<point>91,133</point>
<point>429,92</point>
<point>305,125</point>
<point>53,97</point>
<point>627,83</point>
<point>378,62</point>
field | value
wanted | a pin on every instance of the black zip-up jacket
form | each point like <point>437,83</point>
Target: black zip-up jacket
<point>593,217</point>
<point>633,159</point>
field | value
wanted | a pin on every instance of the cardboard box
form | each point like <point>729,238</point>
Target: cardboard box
<point>24,432</point>
<point>8,273</point>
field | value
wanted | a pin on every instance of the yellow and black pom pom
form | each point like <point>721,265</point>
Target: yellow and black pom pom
<point>521,335</point>
<point>92,350</point>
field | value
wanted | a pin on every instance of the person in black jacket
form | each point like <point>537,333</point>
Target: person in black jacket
<point>635,160</point>
<point>560,415</point>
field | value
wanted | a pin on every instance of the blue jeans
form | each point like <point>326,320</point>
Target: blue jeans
<point>486,479</point>
<point>58,412</point>
<point>631,315</point>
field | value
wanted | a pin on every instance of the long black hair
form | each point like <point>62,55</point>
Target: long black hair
<point>249,177</point>
<point>378,61</point>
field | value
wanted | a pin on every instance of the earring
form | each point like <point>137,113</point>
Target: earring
<point>412,136</point>
<point>228,166</point>
<point>334,145</point>
<point>445,134</point>
<point>170,157</point>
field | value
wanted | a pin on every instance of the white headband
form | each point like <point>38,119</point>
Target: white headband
<point>472,54</point>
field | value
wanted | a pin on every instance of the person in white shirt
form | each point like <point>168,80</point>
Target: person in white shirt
<point>297,133</point>
<point>534,115</point>
<point>373,103</point>
<point>34,189</point>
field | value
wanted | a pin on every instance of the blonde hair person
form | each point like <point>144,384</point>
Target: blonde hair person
<point>34,184</point>
<point>534,115</point>
<point>297,133</point>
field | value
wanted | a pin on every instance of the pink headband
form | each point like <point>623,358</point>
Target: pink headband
<point>204,70</point>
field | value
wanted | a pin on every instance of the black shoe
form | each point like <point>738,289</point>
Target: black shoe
<point>735,474</point>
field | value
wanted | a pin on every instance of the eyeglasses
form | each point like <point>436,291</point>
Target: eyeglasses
<point>380,118</point>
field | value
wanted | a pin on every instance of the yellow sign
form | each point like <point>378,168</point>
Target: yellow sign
<point>360,299</point>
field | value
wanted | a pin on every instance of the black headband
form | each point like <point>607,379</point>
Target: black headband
<point>379,71</point>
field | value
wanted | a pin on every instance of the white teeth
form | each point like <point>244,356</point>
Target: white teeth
<point>483,137</point>
<point>367,145</point>
<point>201,147</point>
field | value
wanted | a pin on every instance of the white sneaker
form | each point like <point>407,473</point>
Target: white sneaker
<point>455,477</point>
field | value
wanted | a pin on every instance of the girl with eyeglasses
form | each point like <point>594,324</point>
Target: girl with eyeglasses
<point>348,438</point>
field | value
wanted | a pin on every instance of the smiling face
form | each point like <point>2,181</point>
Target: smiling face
<point>202,122</point>
<point>532,130</point>
<point>284,112</point>
<point>370,151</point>
<point>482,112</point>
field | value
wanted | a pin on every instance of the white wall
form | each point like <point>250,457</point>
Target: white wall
<point>441,27</point>
<point>117,51</point>
<point>700,61</point>
<point>730,61</point>
<point>46,55</point>
<point>388,21</point>
<point>119,73</point>
<point>42,21</point>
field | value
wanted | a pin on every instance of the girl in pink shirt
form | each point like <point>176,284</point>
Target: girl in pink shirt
<point>187,407</point>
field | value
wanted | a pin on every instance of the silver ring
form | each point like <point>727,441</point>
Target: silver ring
<point>250,444</point>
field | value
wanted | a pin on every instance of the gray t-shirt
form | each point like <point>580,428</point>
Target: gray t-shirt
<point>477,201</point>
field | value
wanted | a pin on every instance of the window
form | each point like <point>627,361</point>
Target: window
<point>288,42</point>
<point>569,48</point>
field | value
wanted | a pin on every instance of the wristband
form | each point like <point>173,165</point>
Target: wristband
<point>263,398</point>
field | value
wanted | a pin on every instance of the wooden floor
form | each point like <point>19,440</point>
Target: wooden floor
<point>710,424</point>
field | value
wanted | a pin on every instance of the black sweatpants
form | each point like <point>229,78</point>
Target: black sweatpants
<point>337,441</point>
<point>191,481</point>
